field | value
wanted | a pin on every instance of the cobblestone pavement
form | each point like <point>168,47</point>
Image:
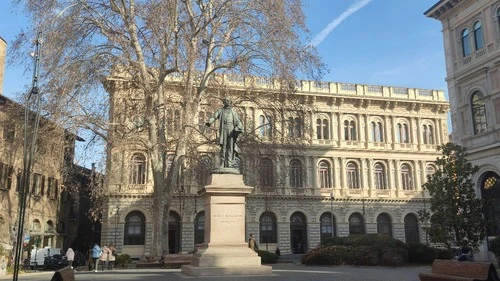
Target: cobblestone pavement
<point>288,272</point>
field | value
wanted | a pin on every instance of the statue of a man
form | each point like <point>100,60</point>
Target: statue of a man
<point>230,127</point>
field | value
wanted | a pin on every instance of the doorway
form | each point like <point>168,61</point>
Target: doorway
<point>174,231</point>
<point>298,233</point>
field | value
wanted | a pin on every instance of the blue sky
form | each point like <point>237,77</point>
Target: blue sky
<point>376,42</point>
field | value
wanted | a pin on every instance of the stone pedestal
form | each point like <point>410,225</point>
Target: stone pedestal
<point>225,251</point>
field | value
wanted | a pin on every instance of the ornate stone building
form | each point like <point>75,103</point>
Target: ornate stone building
<point>366,151</point>
<point>471,32</point>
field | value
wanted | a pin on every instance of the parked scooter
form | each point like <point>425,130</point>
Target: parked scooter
<point>54,262</point>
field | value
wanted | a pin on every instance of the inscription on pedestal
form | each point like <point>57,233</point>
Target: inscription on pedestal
<point>228,218</point>
<point>227,223</point>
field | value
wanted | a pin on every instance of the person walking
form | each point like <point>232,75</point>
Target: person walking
<point>70,256</point>
<point>96,255</point>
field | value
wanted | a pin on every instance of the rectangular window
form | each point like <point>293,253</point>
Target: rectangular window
<point>9,131</point>
<point>6,173</point>
<point>19,179</point>
<point>51,189</point>
<point>36,189</point>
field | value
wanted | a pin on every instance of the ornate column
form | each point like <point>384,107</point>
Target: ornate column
<point>343,179</point>
<point>370,177</point>
<point>397,175</point>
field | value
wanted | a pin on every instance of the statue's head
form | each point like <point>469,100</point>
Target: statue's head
<point>226,102</point>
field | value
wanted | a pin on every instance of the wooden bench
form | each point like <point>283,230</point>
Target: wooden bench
<point>170,260</point>
<point>460,271</point>
<point>177,260</point>
<point>64,274</point>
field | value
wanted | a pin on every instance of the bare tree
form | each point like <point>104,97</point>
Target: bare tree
<point>140,44</point>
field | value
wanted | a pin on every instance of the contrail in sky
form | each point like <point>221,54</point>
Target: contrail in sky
<point>333,24</point>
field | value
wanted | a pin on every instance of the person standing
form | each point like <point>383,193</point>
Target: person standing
<point>70,256</point>
<point>106,253</point>
<point>252,244</point>
<point>96,255</point>
<point>112,256</point>
<point>230,127</point>
<point>89,258</point>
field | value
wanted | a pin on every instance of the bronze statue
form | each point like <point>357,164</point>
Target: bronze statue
<point>230,127</point>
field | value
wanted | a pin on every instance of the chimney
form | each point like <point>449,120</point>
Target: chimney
<point>3,51</point>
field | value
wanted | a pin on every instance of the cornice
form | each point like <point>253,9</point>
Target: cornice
<point>472,73</point>
<point>443,8</point>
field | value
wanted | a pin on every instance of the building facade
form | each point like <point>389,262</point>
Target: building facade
<point>365,152</point>
<point>471,32</point>
<point>53,216</point>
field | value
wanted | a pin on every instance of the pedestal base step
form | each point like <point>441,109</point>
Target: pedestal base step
<point>222,271</point>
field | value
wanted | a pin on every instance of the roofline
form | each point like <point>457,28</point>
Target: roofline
<point>6,99</point>
<point>433,6</point>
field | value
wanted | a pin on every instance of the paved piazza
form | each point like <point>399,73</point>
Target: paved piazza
<point>288,272</point>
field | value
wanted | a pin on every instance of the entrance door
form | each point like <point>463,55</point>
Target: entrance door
<point>298,233</point>
<point>174,233</point>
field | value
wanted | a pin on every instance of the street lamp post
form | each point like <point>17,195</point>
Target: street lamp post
<point>31,111</point>
<point>331,211</point>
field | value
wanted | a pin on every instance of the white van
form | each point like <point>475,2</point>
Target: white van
<point>38,255</point>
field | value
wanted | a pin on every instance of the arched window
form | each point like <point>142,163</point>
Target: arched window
<point>403,133</point>
<point>478,35</point>
<point>138,169</point>
<point>478,113</point>
<point>204,168</point>
<point>429,171</point>
<point>36,226</point>
<point>295,173</point>
<point>465,43</point>
<point>356,224</point>
<point>49,226</point>
<point>489,183</point>
<point>380,176</point>
<point>498,19</point>
<point>266,172</point>
<point>377,131</point>
<point>202,119</point>
<point>406,177</point>
<point>173,117</point>
<point>322,132</point>
<point>295,127</point>
<point>327,226</point>
<point>352,176</point>
<point>384,225</point>
<point>199,228</point>
<point>135,229</point>
<point>411,229</point>
<point>265,126</point>
<point>177,120</point>
<point>268,229</point>
<point>350,133</point>
<point>324,174</point>
<point>428,134</point>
